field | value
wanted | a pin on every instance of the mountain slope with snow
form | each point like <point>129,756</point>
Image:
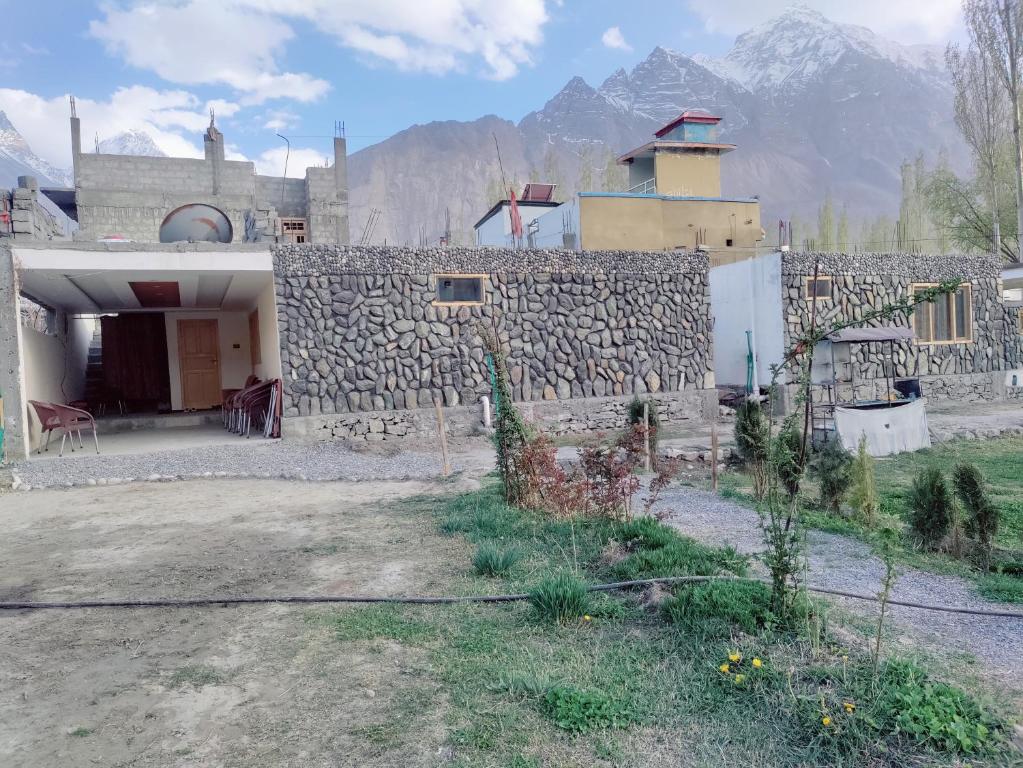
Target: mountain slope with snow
<point>18,159</point>
<point>133,142</point>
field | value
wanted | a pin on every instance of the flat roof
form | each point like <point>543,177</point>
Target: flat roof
<point>651,147</point>
<point>521,203</point>
<point>647,195</point>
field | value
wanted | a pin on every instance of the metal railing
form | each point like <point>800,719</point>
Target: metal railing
<point>648,187</point>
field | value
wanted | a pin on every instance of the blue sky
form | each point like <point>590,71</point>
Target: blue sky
<point>296,66</point>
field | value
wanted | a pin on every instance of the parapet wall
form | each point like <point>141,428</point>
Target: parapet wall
<point>362,331</point>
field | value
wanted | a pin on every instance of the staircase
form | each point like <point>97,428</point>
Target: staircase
<point>94,387</point>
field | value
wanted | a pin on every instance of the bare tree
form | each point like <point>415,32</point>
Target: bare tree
<point>982,114</point>
<point>996,28</point>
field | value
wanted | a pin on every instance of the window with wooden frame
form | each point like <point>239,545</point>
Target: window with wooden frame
<point>293,230</point>
<point>817,290</point>
<point>946,320</point>
<point>255,350</point>
<point>459,289</point>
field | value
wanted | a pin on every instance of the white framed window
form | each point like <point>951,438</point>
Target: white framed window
<point>293,230</point>
<point>818,290</point>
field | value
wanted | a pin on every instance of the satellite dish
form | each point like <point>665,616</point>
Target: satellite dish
<point>196,223</point>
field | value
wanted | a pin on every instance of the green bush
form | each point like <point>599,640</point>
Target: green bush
<point>715,608</point>
<point>576,710</point>
<point>491,560</point>
<point>1002,587</point>
<point>930,506</point>
<point>939,715</point>
<point>752,440</point>
<point>658,550</point>
<point>981,513</point>
<point>561,597</point>
<point>863,496</point>
<point>789,461</point>
<point>832,467</point>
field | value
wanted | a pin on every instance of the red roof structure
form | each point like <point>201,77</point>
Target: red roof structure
<point>689,116</point>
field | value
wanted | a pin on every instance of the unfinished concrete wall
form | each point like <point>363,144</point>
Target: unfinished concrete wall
<point>10,360</point>
<point>131,195</point>
<point>54,366</point>
<point>29,219</point>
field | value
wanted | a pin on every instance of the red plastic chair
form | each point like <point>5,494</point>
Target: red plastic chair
<point>228,394</point>
<point>48,418</point>
<point>71,421</point>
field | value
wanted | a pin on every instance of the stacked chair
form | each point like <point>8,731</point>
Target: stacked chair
<point>258,405</point>
<point>69,420</point>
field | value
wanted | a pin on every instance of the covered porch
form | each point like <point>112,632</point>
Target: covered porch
<point>147,339</point>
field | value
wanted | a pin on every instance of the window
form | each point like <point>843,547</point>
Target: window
<point>819,290</point>
<point>459,289</point>
<point>255,350</point>
<point>293,230</point>
<point>946,320</point>
<point>728,242</point>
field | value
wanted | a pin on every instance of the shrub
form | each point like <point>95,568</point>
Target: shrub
<point>752,440</point>
<point>832,466</point>
<point>863,495</point>
<point>609,474</point>
<point>789,461</point>
<point>981,513</point>
<point>490,560</point>
<point>930,505</point>
<point>714,608</point>
<point>561,598</point>
<point>545,485</point>
<point>576,710</point>
<point>634,414</point>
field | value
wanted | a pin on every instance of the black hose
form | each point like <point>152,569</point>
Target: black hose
<point>191,602</point>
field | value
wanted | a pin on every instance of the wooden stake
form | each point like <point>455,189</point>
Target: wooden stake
<point>714,456</point>
<point>443,438</point>
<point>646,436</point>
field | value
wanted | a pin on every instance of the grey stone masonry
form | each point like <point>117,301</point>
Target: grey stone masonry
<point>29,220</point>
<point>361,329</point>
<point>1013,337</point>
<point>862,282</point>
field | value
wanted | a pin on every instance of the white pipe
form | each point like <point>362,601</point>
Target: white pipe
<point>485,402</point>
<point>753,324</point>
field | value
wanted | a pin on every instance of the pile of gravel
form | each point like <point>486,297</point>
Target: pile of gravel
<point>278,459</point>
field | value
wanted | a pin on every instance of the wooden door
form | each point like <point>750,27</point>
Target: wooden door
<point>199,358</point>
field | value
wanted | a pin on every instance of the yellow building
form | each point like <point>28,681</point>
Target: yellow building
<point>673,201</point>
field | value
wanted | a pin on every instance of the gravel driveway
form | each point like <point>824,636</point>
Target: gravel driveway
<point>840,562</point>
<point>287,460</point>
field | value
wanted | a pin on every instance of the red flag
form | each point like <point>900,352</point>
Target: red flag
<point>516,218</point>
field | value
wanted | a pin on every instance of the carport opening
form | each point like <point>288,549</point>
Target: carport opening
<point>151,354</point>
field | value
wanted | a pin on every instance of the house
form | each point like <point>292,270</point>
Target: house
<point>673,201</point>
<point>959,347</point>
<point>494,229</point>
<point>364,338</point>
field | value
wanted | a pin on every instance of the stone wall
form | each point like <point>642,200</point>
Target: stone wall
<point>29,219</point>
<point>361,332</point>
<point>1013,338</point>
<point>862,282</point>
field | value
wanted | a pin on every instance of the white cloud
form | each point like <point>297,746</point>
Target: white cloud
<point>907,21</point>
<point>277,120</point>
<point>613,38</point>
<point>174,119</point>
<point>271,162</point>
<point>241,43</point>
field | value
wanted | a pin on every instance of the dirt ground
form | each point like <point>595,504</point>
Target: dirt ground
<point>237,686</point>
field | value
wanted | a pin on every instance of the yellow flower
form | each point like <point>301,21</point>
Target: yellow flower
<point>845,658</point>
<point>757,663</point>
<point>849,706</point>
<point>724,668</point>
<point>739,679</point>
<point>587,618</point>
<point>826,720</point>
<point>735,656</point>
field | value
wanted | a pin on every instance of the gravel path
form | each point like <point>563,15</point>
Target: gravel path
<point>277,459</point>
<point>840,562</point>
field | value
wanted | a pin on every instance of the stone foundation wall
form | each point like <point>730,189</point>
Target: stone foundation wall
<point>1013,338</point>
<point>361,330</point>
<point>862,282</point>
<point>557,417</point>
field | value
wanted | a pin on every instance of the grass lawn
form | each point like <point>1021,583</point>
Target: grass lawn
<point>1001,462</point>
<point>616,681</point>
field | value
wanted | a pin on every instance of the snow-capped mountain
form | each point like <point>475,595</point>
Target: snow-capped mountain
<point>133,142</point>
<point>813,106</point>
<point>801,46</point>
<point>18,159</point>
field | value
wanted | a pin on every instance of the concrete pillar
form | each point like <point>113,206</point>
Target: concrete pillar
<point>15,415</point>
<point>213,146</point>
<point>76,145</point>
<point>341,184</point>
